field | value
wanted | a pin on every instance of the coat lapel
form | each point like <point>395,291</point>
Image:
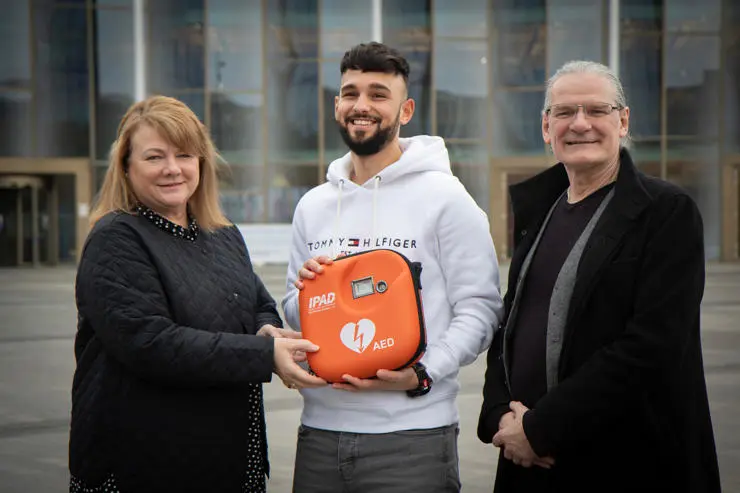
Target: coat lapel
<point>630,200</point>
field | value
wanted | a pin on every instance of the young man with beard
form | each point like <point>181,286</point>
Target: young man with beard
<point>397,432</point>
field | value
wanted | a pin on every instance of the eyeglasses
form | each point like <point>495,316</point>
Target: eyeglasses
<point>567,111</point>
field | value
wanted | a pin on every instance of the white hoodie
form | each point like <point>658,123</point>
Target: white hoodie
<point>416,207</point>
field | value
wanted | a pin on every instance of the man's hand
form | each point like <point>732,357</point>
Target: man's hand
<point>405,379</point>
<point>512,439</point>
<point>311,268</point>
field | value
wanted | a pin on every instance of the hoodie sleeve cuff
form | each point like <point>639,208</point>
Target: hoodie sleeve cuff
<point>438,362</point>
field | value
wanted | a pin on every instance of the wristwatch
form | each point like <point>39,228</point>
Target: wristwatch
<point>425,381</point>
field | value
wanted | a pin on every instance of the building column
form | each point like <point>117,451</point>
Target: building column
<point>377,27</point>
<point>614,36</point>
<point>139,52</point>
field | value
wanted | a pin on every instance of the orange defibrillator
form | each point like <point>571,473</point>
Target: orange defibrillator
<point>365,313</point>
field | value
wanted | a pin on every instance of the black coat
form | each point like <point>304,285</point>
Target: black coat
<point>630,412</point>
<point>166,376</point>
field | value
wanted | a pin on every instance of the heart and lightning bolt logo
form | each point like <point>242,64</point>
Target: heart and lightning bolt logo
<point>358,336</point>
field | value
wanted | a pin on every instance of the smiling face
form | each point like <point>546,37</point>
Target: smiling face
<point>161,176</point>
<point>584,141</point>
<point>370,109</point>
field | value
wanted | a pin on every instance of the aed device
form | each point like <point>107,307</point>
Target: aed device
<point>365,314</point>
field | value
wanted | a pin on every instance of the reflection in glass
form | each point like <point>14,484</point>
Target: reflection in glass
<point>15,64</point>
<point>287,185</point>
<point>236,127</point>
<point>61,82</point>
<point>235,45</point>
<point>406,27</point>
<point>293,115</point>
<point>519,43</point>
<point>695,167</point>
<point>241,194</point>
<point>641,15</point>
<point>292,31</point>
<point>194,100</point>
<point>461,18</point>
<point>470,165</point>
<point>692,15</point>
<point>692,85</point>
<point>517,125</point>
<point>640,73</point>
<point>343,25</point>
<point>15,123</point>
<point>646,154</point>
<point>292,135</point>
<point>461,81</point>
<point>114,74</point>
<point>575,31</point>
<point>334,146</point>
<point>175,45</point>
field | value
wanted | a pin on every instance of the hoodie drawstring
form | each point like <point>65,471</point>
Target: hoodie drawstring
<point>376,183</point>
<point>335,235</point>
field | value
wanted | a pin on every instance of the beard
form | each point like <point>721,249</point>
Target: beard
<point>371,145</point>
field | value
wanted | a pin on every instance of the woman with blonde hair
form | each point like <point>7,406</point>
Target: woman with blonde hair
<point>167,393</point>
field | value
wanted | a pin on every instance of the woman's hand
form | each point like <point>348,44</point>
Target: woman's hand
<point>293,376</point>
<point>268,330</point>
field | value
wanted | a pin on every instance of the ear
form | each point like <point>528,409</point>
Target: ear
<point>624,122</point>
<point>407,111</point>
<point>336,108</point>
<point>546,129</point>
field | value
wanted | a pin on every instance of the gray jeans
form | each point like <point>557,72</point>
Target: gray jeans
<point>411,461</point>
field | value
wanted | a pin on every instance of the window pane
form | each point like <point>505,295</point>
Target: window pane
<point>195,101</point>
<point>695,167</point>
<point>692,15</point>
<point>641,15</point>
<point>470,165</point>
<point>292,31</point>
<point>575,31</point>
<point>287,186</point>
<point>236,126</point>
<point>692,85</point>
<point>640,74</point>
<point>15,123</point>
<point>175,45</point>
<point>461,18</point>
<point>732,80</point>
<point>61,82</point>
<point>293,135</point>
<point>334,146</point>
<point>241,194</point>
<point>519,43</point>
<point>114,69</point>
<point>235,44</point>
<point>517,127</point>
<point>646,155</point>
<point>343,25</point>
<point>15,64</point>
<point>112,3</point>
<point>461,80</point>
<point>406,27</point>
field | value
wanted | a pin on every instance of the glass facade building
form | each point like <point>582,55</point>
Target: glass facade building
<point>263,75</point>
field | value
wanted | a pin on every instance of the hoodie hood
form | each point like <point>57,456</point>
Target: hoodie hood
<point>420,153</point>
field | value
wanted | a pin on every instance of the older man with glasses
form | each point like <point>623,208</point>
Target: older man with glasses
<point>595,381</point>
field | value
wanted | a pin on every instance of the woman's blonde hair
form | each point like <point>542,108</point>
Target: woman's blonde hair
<point>177,123</point>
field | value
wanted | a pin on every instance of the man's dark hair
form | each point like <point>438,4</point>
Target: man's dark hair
<point>375,57</point>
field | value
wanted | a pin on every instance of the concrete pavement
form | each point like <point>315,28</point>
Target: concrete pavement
<point>37,325</point>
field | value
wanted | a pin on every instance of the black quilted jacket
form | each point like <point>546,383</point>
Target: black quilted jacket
<point>166,377</point>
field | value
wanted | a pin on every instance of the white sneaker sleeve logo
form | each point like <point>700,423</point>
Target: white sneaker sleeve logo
<point>358,336</point>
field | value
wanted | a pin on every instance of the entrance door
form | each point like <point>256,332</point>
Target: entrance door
<point>27,228</point>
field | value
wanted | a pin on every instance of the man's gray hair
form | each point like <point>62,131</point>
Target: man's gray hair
<point>589,67</point>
